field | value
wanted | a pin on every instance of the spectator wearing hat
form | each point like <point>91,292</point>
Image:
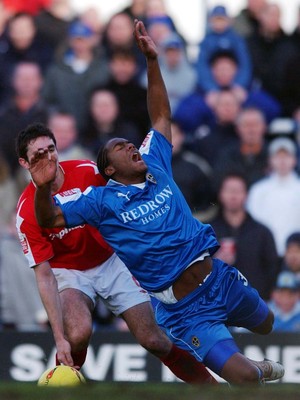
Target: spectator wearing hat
<point>274,200</point>
<point>221,37</point>
<point>81,67</point>
<point>179,74</point>
<point>285,303</point>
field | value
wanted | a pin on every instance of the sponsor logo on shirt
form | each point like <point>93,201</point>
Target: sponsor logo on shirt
<point>124,195</point>
<point>145,146</point>
<point>63,232</point>
<point>24,243</point>
<point>150,210</point>
<point>69,195</point>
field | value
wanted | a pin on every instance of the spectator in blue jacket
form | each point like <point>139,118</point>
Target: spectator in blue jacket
<point>285,303</point>
<point>221,36</point>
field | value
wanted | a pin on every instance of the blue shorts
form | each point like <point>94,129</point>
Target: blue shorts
<point>199,322</point>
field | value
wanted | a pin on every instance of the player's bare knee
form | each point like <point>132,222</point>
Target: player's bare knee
<point>243,376</point>
<point>79,339</point>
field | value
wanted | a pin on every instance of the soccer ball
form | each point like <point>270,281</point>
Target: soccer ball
<point>61,375</point>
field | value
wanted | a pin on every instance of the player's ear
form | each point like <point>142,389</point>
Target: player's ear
<point>24,163</point>
<point>109,170</point>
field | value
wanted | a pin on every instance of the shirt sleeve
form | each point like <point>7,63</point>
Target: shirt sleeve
<point>36,246</point>
<point>81,208</point>
<point>157,150</point>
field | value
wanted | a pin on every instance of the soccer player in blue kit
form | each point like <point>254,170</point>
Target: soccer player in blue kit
<point>142,214</point>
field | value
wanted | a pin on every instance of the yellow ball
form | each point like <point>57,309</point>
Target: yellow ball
<point>61,375</point>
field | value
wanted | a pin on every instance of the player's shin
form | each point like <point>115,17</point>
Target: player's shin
<point>186,367</point>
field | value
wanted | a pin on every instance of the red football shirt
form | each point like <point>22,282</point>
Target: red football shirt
<point>77,248</point>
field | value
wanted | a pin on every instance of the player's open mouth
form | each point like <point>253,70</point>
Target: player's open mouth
<point>136,157</point>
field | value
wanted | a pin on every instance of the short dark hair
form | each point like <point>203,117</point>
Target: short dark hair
<point>31,132</point>
<point>232,174</point>
<point>222,53</point>
<point>102,161</point>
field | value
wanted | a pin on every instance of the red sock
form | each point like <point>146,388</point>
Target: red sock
<point>78,358</point>
<point>186,367</point>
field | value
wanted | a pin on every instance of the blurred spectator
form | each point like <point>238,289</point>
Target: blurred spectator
<point>193,110</point>
<point>179,75</point>
<point>274,200</point>
<point>5,14</point>
<point>29,6</point>
<point>63,126</point>
<point>131,95</point>
<point>8,194</point>
<point>249,156</point>
<point>291,261</point>
<point>105,122</point>
<point>208,141</point>
<point>53,21</point>
<point>192,174</point>
<point>270,49</point>
<point>21,307</point>
<point>137,9</point>
<point>156,8</point>
<point>245,243</point>
<point>24,107</point>
<point>221,36</point>
<point>81,68</point>
<point>291,77</point>
<point>92,18</point>
<point>224,68</point>
<point>246,23</point>
<point>160,27</point>
<point>118,35</point>
<point>285,303</point>
<point>19,43</point>
<point>158,21</point>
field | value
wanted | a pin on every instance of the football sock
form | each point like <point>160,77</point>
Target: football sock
<point>186,367</point>
<point>79,357</point>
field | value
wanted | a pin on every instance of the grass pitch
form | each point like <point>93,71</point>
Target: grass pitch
<point>148,391</point>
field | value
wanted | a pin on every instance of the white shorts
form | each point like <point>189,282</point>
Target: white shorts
<point>111,281</point>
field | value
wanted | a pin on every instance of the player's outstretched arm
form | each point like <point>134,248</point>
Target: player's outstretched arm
<point>43,169</point>
<point>157,97</point>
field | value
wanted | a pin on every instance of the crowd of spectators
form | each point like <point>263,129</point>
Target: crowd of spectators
<point>86,79</point>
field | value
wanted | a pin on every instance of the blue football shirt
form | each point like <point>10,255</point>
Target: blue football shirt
<point>152,229</point>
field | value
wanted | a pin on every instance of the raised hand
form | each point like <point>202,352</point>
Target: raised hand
<point>144,41</point>
<point>43,167</point>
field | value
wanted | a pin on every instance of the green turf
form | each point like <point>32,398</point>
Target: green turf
<point>148,391</point>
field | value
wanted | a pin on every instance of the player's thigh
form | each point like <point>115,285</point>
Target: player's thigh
<point>141,323</point>
<point>245,308</point>
<point>77,310</point>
